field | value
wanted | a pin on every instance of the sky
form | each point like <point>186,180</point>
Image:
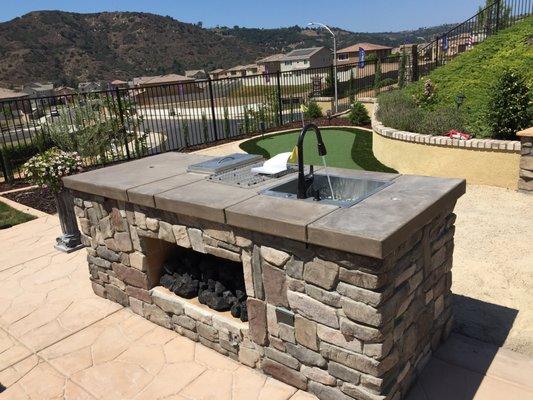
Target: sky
<point>353,15</point>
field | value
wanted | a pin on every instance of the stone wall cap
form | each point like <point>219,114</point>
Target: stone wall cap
<point>372,227</point>
<point>378,224</point>
<point>525,132</point>
<point>115,181</point>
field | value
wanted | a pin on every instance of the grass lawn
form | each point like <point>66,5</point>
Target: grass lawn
<point>347,148</point>
<point>10,217</point>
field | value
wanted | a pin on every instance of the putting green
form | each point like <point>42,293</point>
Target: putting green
<point>347,148</point>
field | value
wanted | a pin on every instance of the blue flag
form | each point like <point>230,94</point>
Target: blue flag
<point>445,43</point>
<point>361,57</point>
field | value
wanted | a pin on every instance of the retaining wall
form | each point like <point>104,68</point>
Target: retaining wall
<point>479,161</point>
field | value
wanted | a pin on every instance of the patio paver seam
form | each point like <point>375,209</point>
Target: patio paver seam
<point>19,343</point>
<point>27,261</point>
<point>487,373</point>
<point>77,331</point>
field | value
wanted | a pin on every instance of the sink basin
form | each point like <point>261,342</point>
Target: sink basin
<point>347,191</point>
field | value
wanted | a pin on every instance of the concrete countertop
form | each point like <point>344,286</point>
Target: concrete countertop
<point>372,227</point>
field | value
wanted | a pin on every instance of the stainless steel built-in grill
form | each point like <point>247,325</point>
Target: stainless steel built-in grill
<point>235,170</point>
<point>244,177</point>
<point>220,164</point>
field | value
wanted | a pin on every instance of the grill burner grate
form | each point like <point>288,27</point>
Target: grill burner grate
<point>243,176</point>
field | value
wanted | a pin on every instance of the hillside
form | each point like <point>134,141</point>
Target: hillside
<point>67,48</point>
<point>474,73</point>
<point>285,39</point>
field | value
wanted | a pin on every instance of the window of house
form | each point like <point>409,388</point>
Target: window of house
<point>343,56</point>
<point>288,62</point>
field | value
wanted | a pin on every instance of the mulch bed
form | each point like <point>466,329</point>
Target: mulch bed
<point>38,198</point>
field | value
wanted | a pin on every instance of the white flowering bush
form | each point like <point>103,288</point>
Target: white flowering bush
<point>47,169</point>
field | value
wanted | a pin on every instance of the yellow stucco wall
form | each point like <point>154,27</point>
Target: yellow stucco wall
<point>477,166</point>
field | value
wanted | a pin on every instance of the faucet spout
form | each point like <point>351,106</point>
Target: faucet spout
<point>303,183</point>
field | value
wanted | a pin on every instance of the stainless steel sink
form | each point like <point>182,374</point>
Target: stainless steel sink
<point>347,191</point>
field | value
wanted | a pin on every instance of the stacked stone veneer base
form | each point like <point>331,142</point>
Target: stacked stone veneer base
<point>525,180</point>
<point>339,325</point>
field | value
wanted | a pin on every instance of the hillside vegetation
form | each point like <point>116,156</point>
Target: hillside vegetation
<point>475,72</point>
<point>68,48</point>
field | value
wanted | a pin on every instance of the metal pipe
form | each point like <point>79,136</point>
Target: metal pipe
<point>334,61</point>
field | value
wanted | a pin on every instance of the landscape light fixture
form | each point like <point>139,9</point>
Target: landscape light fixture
<point>334,57</point>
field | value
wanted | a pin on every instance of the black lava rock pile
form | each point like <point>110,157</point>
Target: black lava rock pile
<point>218,283</point>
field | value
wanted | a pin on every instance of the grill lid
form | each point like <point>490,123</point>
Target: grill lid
<point>221,164</point>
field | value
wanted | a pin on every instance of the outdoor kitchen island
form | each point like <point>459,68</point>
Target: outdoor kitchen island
<point>344,302</point>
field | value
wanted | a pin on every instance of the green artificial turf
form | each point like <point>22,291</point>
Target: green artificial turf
<point>347,148</point>
<point>10,217</point>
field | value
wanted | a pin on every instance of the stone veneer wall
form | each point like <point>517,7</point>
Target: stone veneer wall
<point>339,325</point>
<point>525,180</point>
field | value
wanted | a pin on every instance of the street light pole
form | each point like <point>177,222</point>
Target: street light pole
<point>334,59</point>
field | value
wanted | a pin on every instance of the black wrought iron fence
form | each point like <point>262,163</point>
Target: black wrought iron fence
<point>496,16</point>
<point>120,124</point>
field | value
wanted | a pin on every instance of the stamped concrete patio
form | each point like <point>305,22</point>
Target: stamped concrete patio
<point>60,341</point>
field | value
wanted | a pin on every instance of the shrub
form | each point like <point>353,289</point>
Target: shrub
<point>47,169</point>
<point>351,88</point>
<point>17,154</point>
<point>377,75</point>
<point>427,96</point>
<point>475,72</point>
<point>398,110</point>
<point>205,128</point>
<point>509,106</point>
<point>313,110</point>
<point>387,82</point>
<point>227,129</point>
<point>402,70</point>
<point>185,132</point>
<point>358,114</point>
<point>441,120</point>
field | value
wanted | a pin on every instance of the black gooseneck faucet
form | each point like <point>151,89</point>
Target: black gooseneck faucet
<point>303,183</point>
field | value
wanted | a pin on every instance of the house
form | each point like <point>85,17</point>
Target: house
<point>118,84</point>
<point>8,94</point>
<point>64,91</point>
<point>14,106</point>
<point>151,87</point>
<point>313,57</point>
<point>350,54</point>
<point>251,69</point>
<point>458,43</point>
<point>196,74</point>
<point>217,73</point>
<point>168,79</point>
<point>242,70</point>
<point>270,64</point>
<point>86,87</point>
<point>63,95</point>
<point>36,89</point>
